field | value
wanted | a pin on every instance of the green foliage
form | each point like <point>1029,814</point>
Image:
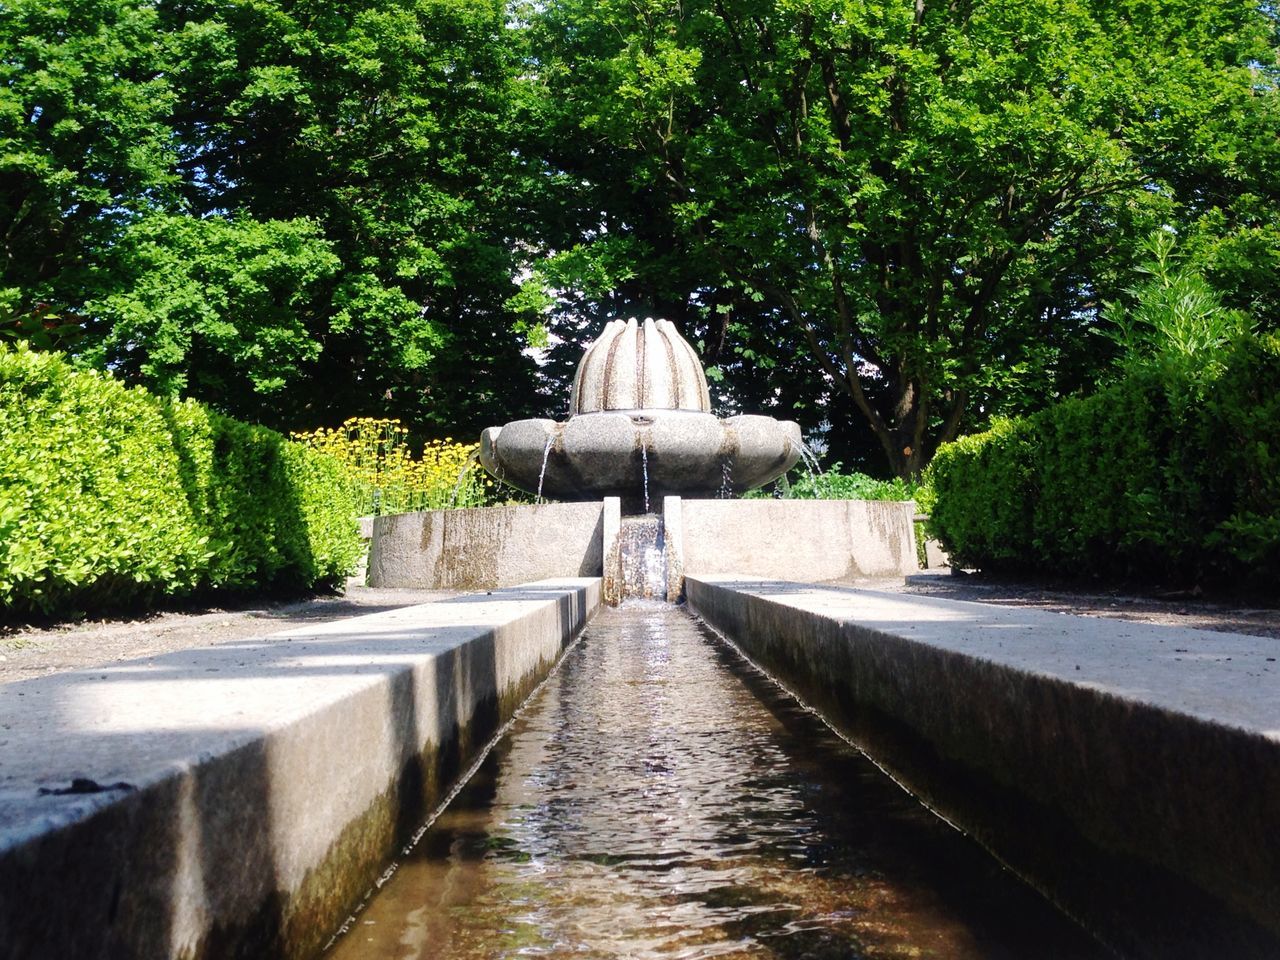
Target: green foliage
<point>1177,323</point>
<point>219,304</point>
<point>878,218</point>
<point>110,497</point>
<point>835,484</point>
<point>289,211</point>
<point>1161,475</point>
<point>916,208</point>
<point>979,493</point>
<point>85,142</point>
<point>386,125</point>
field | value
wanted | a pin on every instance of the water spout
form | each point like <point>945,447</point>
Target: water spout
<point>807,456</point>
<point>546,453</point>
<point>726,479</point>
<point>644,458</point>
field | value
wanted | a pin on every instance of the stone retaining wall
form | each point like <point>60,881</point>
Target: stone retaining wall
<point>807,540</point>
<point>484,547</point>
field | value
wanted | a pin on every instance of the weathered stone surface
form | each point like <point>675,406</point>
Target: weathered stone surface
<point>639,366</point>
<point>499,546</point>
<point>808,540</point>
<point>611,548</point>
<point>614,454</point>
<point>238,800</point>
<point>935,557</point>
<point>1131,771</point>
<point>673,543</point>
<point>485,547</point>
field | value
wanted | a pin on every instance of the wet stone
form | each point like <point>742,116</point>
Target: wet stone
<point>643,558</point>
<point>659,798</point>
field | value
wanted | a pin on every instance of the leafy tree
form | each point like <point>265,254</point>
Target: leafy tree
<point>85,145</point>
<point>294,211</point>
<point>928,201</point>
<point>210,307</point>
<point>386,124</point>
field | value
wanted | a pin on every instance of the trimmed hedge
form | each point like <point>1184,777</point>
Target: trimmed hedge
<point>1159,477</point>
<point>111,497</point>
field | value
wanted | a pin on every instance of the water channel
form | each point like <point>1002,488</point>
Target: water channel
<point>661,798</point>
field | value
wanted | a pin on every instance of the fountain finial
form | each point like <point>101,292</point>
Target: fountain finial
<point>639,366</point>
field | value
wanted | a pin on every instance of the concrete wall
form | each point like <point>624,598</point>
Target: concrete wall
<point>238,801</point>
<point>1132,772</point>
<point>807,540</point>
<point>485,547</point>
<point>481,548</point>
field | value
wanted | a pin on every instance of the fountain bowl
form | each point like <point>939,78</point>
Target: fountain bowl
<point>641,455</point>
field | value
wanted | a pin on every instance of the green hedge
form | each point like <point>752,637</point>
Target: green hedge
<point>1159,477</point>
<point>111,497</point>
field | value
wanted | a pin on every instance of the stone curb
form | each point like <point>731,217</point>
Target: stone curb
<point>1129,771</point>
<point>239,800</point>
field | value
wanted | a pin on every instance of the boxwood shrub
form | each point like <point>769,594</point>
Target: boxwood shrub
<point>111,497</point>
<point>1161,476</point>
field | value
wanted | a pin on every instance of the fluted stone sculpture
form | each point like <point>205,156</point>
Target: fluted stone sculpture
<point>635,366</point>
<point>640,428</point>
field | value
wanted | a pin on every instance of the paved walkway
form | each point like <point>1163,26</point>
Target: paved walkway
<point>39,651</point>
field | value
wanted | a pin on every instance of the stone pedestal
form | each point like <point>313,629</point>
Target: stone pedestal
<point>805,540</point>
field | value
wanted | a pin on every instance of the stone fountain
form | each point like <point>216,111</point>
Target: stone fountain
<point>640,428</point>
<point>641,475</point>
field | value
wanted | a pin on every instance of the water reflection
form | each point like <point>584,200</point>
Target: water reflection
<point>660,799</point>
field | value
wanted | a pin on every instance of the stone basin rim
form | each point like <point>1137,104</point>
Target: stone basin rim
<point>646,413</point>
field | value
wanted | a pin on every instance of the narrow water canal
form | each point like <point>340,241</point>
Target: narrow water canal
<point>659,798</point>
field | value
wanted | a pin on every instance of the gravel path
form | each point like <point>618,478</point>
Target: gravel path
<point>34,651</point>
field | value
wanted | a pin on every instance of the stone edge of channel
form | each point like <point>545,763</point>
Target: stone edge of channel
<point>1154,828</point>
<point>116,882</point>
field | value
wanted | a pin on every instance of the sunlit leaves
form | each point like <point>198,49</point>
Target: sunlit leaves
<point>214,307</point>
<point>292,210</point>
<point>932,196</point>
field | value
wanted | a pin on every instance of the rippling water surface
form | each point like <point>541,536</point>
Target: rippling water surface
<point>661,799</point>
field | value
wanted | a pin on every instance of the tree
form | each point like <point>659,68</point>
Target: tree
<point>85,147</point>
<point>385,123</point>
<point>931,200</point>
<point>210,307</point>
<point>295,211</point>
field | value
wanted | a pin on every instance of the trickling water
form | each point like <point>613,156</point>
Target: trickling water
<point>644,464</point>
<point>546,454</point>
<point>641,545</point>
<point>808,458</point>
<point>726,479</point>
<point>659,798</point>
